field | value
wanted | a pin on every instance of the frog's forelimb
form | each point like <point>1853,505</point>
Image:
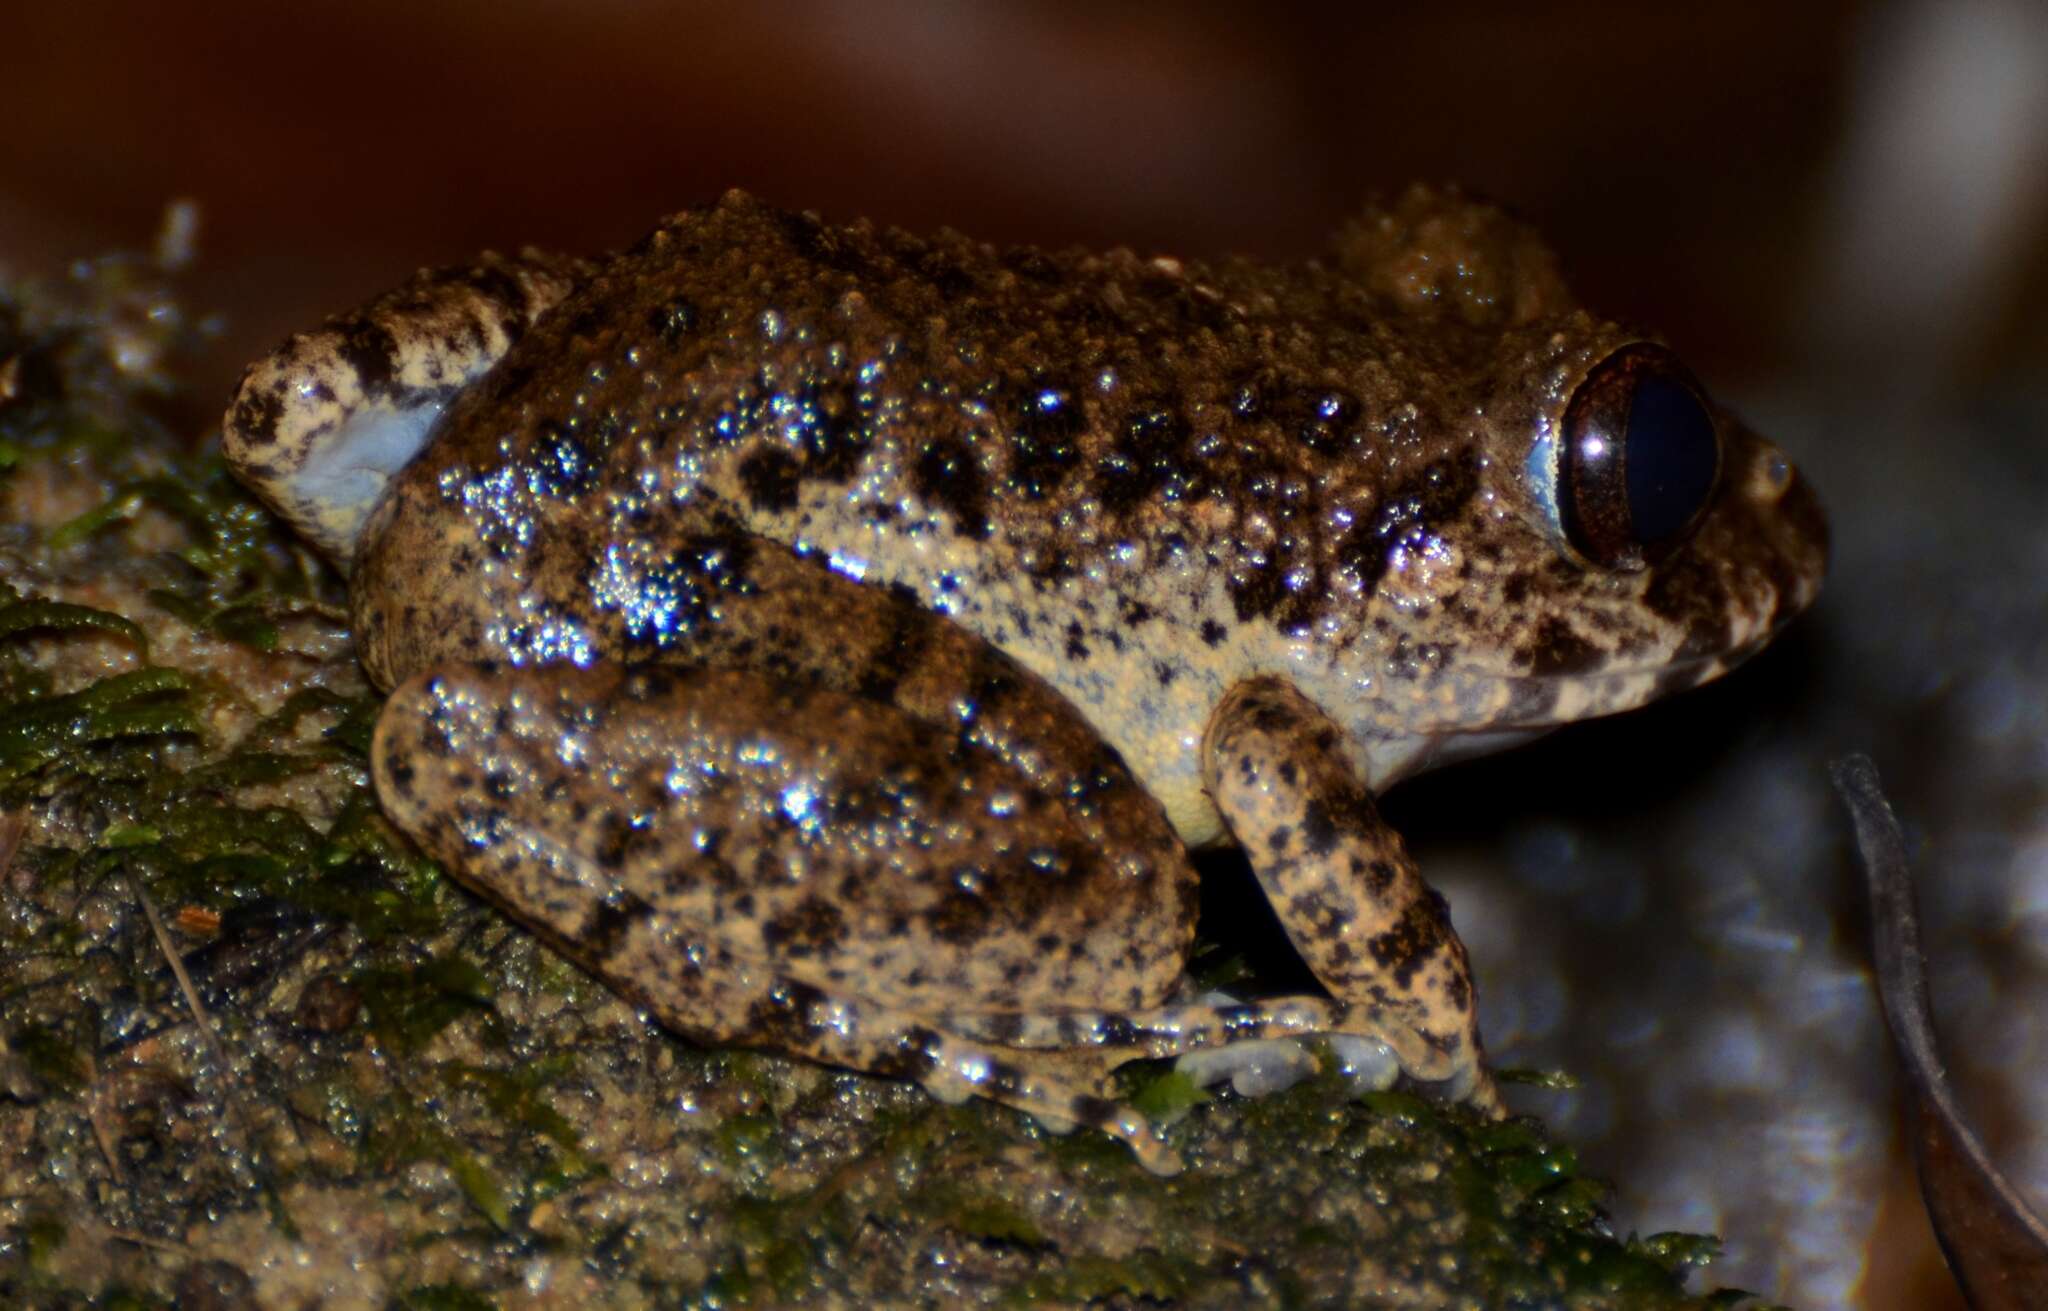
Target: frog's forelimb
<point>1351,899</point>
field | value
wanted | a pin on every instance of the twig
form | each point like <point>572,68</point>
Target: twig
<point>244,1123</point>
<point>1996,1246</point>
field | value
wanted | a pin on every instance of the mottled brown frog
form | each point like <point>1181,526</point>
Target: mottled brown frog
<point>833,638</point>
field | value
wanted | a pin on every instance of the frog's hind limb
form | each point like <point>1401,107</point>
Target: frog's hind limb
<point>1257,1046</point>
<point>1343,885</point>
<point>667,829</point>
<point>643,955</point>
<point>320,425</point>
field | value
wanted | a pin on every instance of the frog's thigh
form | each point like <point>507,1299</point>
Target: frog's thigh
<point>1376,935</point>
<point>841,840</point>
<point>753,862</point>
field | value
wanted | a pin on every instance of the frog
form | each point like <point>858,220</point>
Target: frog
<point>837,639</point>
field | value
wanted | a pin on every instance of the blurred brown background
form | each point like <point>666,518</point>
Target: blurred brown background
<point>1683,157</point>
<point>1836,210</point>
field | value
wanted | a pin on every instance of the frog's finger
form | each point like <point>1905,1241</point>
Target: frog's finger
<point>1375,934</point>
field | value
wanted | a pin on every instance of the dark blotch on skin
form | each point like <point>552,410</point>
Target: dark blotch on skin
<point>1256,590</point>
<point>677,595</point>
<point>911,631</point>
<point>1320,418</point>
<point>398,766</point>
<point>371,352</point>
<point>1043,438</point>
<point>812,924</point>
<point>672,322</point>
<point>1213,633</point>
<point>614,837</point>
<point>1685,591</point>
<point>770,476</point>
<point>1530,701</point>
<point>949,277</point>
<point>500,288</point>
<point>563,463</point>
<point>592,316</point>
<point>1318,828</point>
<point>256,417</point>
<point>1406,517</point>
<point>609,924</point>
<point>1408,946</point>
<point>782,1015</point>
<point>820,243</point>
<point>961,918</point>
<point>836,443</point>
<point>1555,649</point>
<point>947,477</point>
<point>1152,458</point>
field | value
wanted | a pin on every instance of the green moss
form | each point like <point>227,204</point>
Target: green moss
<point>409,1004</point>
<point>41,1237</point>
<point>1145,1275</point>
<point>56,1062</point>
<point>996,1220</point>
<point>60,617</point>
<point>1164,1095</point>
<point>41,733</point>
<point>444,1297</point>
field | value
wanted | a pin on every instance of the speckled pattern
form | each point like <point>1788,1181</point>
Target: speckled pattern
<point>1354,903</point>
<point>986,545</point>
<point>409,351</point>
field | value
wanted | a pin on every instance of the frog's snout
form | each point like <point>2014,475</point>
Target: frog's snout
<point>1785,524</point>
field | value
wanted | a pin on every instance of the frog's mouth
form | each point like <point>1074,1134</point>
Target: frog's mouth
<point>1391,761</point>
<point>1753,564</point>
<point>1527,707</point>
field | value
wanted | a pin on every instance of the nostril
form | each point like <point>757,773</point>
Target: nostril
<point>1771,475</point>
<point>1777,473</point>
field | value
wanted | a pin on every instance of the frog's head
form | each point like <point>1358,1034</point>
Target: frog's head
<point>1617,537</point>
<point>318,427</point>
<point>1579,529</point>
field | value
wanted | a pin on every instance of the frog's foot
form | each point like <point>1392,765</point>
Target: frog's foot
<point>1270,1065</point>
<point>1257,1046</point>
<point>795,1017</point>
<point>320,425</point>
<point>1374,933</point>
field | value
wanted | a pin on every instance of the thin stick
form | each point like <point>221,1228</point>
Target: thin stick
<point>229,1093</point>
<point>1997,1247</point>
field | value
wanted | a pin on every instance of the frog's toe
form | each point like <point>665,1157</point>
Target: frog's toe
<point>1473,1084</point>
<point>1253,1068</point>
<point>1268,1065</point>
<point>1368,1063</point>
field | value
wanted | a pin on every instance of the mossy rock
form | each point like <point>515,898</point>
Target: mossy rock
<point>398,1099</point>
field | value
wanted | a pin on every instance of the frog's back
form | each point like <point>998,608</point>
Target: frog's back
<point>1121,439</point>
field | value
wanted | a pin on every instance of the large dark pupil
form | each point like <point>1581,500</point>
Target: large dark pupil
<point>1671,458</point>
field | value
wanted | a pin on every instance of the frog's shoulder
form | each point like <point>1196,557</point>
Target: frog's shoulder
<point>1436,250</point>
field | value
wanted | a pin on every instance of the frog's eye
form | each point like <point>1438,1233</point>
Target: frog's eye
<point>1640,458</point>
